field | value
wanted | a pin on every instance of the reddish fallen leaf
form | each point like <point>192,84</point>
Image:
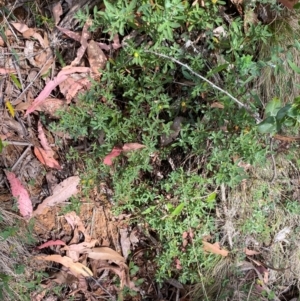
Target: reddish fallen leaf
<point>7,71</point>
<point>45,158</point>
<point>116,151</point>
<point>61,193</point>
<point>51,243</point>
<point>21,195</point>
<point>45,154</point>
<point>178,264</point>
<point>132,146</point>
<point>52,84</point>
<point>73,35</point>
<point>76,268</point>
<point>214,248</point>
<point>116,42</point>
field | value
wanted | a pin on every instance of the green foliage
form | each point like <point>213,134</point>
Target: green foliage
<point>278,116</point>
<point>138,98</point>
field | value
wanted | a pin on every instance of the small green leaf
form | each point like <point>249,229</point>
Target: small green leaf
<point>211,198</point>
<point>149,210</point>
<point>169,206</point>
<point>217,69</point>
<point>273,107</point>
<point>1,146</point>
<point>294,66</point>
<point>268,125</point>
<point>15,81</point>
<point>282,113</point>
<point>177,210</point>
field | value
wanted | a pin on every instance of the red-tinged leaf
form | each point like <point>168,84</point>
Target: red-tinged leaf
<point>7,71</point>
<point>104,46</point>
<point>43,139</point>
<point>116,151</point>
<point>51,243</point>
<point>132,146</point>
<point>61,76</point>
<point>116,42</point>
<point>61,193</point>
<point>46,158</point>
<point>21,194</point>
<point>73,35</point>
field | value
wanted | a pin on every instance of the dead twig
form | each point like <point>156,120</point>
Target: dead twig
<point>21,157</point>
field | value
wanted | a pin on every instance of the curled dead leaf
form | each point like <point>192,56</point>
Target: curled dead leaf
<point>75,268</point>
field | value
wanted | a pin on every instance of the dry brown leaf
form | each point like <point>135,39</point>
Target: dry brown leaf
<point>50,106</point>
<point>125,242</point>
<point>75,267</point>
<point>57,11</point>
<point>83,41</point>
<point>73,85</point>
<point>122,271</point>
<point>105,253</point>
<point>132,146</point>
<point>214,248</point>
<point>217,104</point>
<point>75,222</point>
<point>61,193</point>
<point>96,57</point>
<point>82,247</point>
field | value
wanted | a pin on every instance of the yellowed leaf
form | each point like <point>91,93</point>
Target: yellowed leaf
<point>214,248</point>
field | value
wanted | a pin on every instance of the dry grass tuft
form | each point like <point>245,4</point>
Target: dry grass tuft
<point>278,79</point>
